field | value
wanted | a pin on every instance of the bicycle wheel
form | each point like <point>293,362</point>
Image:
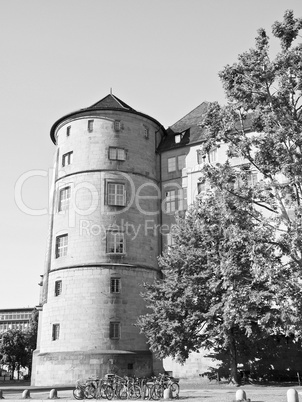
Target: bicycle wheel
<point>122,393</point>
<point>109,392</point>
<point>101,392</point>
<point>78,393</point>
<point>156,392</point>
<point>175,390</point>
<point>134,392</point>
<point>89,391</point>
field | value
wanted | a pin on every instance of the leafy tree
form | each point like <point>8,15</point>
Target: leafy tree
<point>31,338</point>
<point>16,346</point>
<point>262,124</point>
<point>233,277</point>
<point>12,349</point>
<point>223,285</point>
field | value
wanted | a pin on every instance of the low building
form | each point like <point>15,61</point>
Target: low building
<point>15,318</point>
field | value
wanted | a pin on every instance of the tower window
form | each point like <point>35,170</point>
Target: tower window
<point>171,164</point>
<point>116,194</point>
<point>115,242</point>
<point>61,245</point>
<point>68,129</point>
<point>90,126</point>
<point>146,132</point>
<point>55,332</point>
<point>115,285</point>
<point>115,330</point>
<point>118,154</point>
<point>64,198</point>
<point>67,159</point>
<point>58,288</point>
<point>117,125</point>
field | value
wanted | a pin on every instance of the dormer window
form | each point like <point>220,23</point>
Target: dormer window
<point>177,138</point>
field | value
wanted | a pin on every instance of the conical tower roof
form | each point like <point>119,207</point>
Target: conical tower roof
<point>109,102</point>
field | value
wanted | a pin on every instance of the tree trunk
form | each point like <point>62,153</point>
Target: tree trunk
<point>233,358</point>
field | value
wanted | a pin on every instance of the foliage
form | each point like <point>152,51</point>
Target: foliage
<point>16,346</point>
<point>223,286</point>
<point>232,280</point>
<point>262,124</point>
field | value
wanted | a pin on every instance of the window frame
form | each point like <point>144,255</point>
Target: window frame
<point>114,198</point>
<point>90,124</point>
<point>58,287</point>
<point>115,330</point>
<point>170,200</point>
<point>115,285</point>
<point>172,164</point>
<point>118,238</point>
<point>61,249</point>
<point>182,158</point>
<point>55,332</point>
<point>117,125</point>
<point>67,158</point>
<point>116,157</point>
<point>63,204</point>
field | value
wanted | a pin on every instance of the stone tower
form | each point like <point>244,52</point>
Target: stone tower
<point>103,245</point>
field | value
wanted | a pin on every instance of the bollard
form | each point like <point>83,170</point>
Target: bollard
<point>1,394</point>
<point>240,395</point>
<point>26,394</point>
<point>292,395</point>
<point>53,394</point>
<point>168,393</point>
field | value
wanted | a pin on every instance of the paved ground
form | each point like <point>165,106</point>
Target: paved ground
<point>189,392</point>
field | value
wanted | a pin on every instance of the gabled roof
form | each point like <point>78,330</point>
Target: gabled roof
<point>110,102</point>
<point>188,126</point>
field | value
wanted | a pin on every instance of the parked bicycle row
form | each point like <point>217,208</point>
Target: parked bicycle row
<point>114,387</point>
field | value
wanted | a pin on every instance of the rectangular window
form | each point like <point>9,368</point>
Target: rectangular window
<point>90,126</point>
<point>146,132</point>
<point>170,201</point>
<point>116,194</point>
<point>201,187</point>
<point>55,332</point>
<point>171,164</point>
<point>117,125</point>
<point>181,162</point>
<point>252,179</point>
<point>115,330</point>
<point>58,288</point>
<point>213,155</point>
<point>61,245</point>
<point>67,159</point>
<point>68,129</point>
<point>115,285</point>
<point>117,154</point>
<point>64,198</point>
<point>182,199</point>
<point>201,157</point>
<point>115,242</point>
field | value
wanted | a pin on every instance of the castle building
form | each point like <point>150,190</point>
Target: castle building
<point>103,245</point>
<point>119,178</point>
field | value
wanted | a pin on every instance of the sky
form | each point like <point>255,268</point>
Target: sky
<point>161,57</point>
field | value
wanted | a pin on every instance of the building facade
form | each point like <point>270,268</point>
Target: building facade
<point>119,178</point>
<point>15,318</point>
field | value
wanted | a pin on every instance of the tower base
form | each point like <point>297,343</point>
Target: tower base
<point>65,368</point>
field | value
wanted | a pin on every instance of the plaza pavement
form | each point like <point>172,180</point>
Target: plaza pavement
<point>190,391</point>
